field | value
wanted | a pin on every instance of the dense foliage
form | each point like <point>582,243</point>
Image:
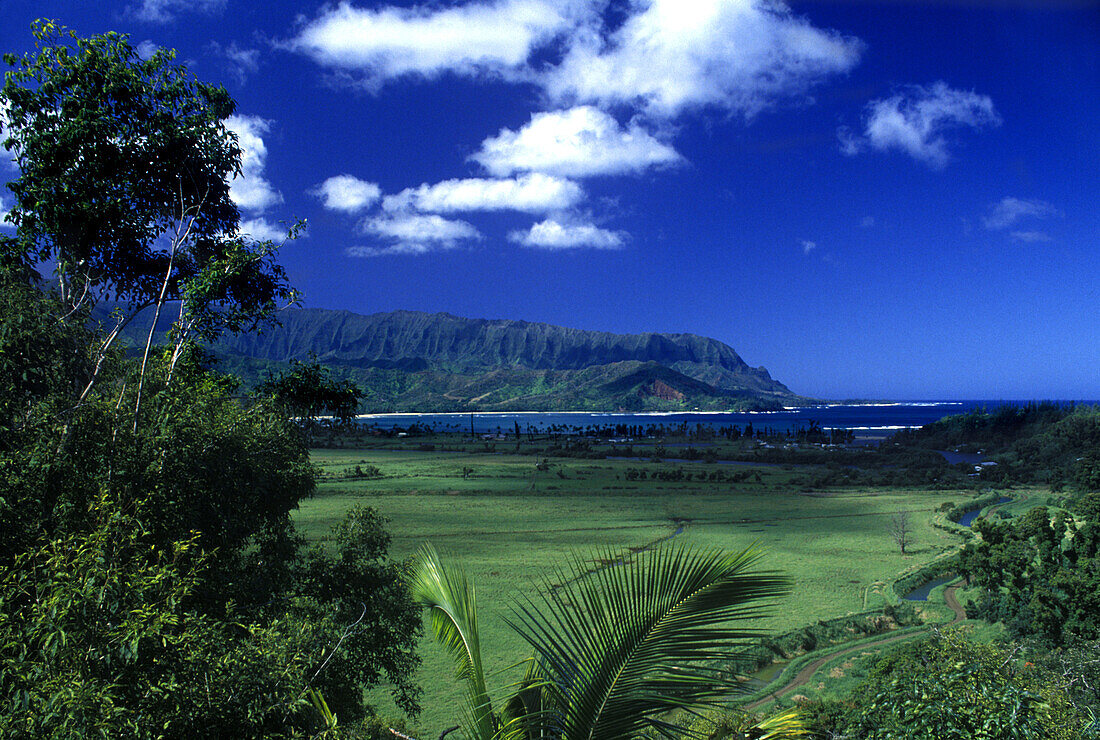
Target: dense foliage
<point>950,688</point>
<point>151,581</point>
<point>1037,442</point>
<point>1040,575</point>
<point>308,391</point>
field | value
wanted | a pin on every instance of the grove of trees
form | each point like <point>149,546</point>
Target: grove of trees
<point>151,580</point>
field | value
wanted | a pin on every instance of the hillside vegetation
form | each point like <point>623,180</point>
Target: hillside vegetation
<point>407,360</point>
<point>1053,443</point>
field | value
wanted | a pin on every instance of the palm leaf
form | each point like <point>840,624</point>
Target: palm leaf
<point>450,597</point>
<point>786,725</point>
<point>621,647</point>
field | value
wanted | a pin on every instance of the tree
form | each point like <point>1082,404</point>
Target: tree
<point>151,580</point>
<point>615,650</point>
<point>1039,575</point>
<point>948,687</point>
<point>97,638</point>
<point>124,187</point>
<point>307,390</point>
<point>901,530</point>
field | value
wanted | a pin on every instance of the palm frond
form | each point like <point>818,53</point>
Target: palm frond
<point>452,604</point>
<point>623,646</point>
<point>787,725</point>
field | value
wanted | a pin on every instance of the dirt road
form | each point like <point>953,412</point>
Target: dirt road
<point>803,676</point>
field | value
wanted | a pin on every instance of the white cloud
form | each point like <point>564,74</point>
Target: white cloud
<point>531,193</point>
<point>1031,237</point>
<point>263,230</point>
<point>671,55</point>
<point>4,210</point>
<point>916,120</point>
<point>666,56</point>
<point>147,48</point>
<point>347,193</point>
<point>165,11</point>
<point>250,190</point>
<point>579,142</point>
<point>7,158</point>
<point>467,39</point>
<point>414,234</point>
<point>867,222</point>
<point>393,250</point>
<point>808,246</point>
<point>1010,210</point>
<point>552,235</point>
<point>242,63</point>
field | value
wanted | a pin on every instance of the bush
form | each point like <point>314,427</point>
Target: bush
<point>950,688</point>
<point>362,471</point>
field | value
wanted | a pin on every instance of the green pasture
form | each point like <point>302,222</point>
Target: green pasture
<point>509,524</point>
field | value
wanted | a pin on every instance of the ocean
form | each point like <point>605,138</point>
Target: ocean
<point>868,421</point>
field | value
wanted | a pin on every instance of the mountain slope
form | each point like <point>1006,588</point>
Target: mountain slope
<point>421,342</point>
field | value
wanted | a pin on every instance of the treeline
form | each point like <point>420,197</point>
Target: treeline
<point>1052,443</point>
<point>812,433</point>
<point>987,428</point>
<point>674,475</point>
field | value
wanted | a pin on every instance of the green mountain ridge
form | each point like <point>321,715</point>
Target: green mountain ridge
<point>414,361</point>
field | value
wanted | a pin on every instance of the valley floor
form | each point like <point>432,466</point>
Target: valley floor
<point>508,519</point>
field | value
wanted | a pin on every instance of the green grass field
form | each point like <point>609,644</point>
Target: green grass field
<point>508,524</point>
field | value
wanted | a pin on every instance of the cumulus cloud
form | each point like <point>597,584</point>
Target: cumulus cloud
<point>1009,211</point>
<point>414,234</point>
<point>263,230</point>
<point>666,56</point>
<point>347,193</point>
<point>552,235</point>
<point>808,246</point>
<point>1031,237</point>
<point>916,121</point>
<point>250,189</point>
<point>391,42</point>
<point>531,193</point>
<point>579,142</point>
<point>165,11</point>
<point>670,55</point>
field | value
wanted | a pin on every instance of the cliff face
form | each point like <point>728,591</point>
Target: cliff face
<point>417,342</point>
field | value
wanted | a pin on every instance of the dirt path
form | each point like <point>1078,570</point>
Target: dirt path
<point>953,603</point>
<point>803,676</point>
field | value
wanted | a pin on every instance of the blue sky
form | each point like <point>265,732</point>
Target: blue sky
<point>872,199</point>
